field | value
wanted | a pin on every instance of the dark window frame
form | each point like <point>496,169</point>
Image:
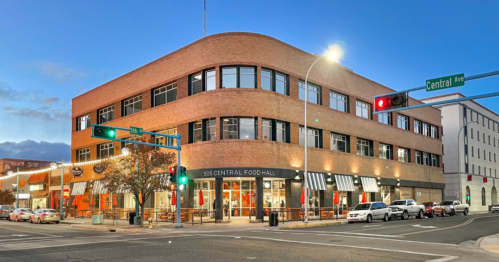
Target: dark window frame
<point>165,86</point>
<point>238,127</point>
<point>273,82</point>
<point>204,84</point>
<point>238,76</point>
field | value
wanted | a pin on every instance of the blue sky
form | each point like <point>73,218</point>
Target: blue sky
<point>52,51</point>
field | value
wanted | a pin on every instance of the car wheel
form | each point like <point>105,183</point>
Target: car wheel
<point>17,219</point>
<point>369,219</point>
<point>386,218</point>
<point>420,215</point>
<point>405,215</point>
<point>432,214</point>
<point>8,218</point>
<point>350,222</point>
<point>465,212</point>
<point>443,213</point>
<point>39,221</point>
<point>31,221</point>
<point>57,222</point>
<point>452,212</point>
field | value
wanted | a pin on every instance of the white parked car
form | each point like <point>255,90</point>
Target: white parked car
<point>494,208</point>
<point>368,212</point>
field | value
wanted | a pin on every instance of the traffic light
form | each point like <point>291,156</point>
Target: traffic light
<point>173,175</point>
<point>183,176</point>
<point>104,132</point>
<point>172,187</point>
<point>388,102</point>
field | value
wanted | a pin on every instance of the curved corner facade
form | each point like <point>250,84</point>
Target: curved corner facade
<point>237,101</point>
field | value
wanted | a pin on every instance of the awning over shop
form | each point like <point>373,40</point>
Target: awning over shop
<point>37,178</point>
<point>79,188</point>
<point>99,188</point>
<point>344,183</point>
<point>369,184</point>
<point>316,181</point>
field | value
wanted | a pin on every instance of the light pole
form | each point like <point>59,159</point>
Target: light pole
<point>125,151</point>
<point>459,160</point>
<point>332,54</point>
<point>17,186</point>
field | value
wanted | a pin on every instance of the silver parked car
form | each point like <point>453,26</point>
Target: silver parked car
<point>45,216</point>
<point>5,211</point>
<point>20,214</point>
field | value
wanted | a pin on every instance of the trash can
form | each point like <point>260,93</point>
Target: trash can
<point>271,219</point>
<point>275,216</point>
<point>131,217</point>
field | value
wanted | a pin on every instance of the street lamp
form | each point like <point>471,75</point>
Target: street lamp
<point>459,159</point>
<point>10,173</point>
<point>125,151</point>
<point>332,54</point>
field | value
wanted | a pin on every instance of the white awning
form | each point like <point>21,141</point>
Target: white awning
<point>344,183</point>
<point>369,184</point>
<point>316,181</point>
<point>99,188</point>
<point>79,188</point>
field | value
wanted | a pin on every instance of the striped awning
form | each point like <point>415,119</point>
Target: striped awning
<point>99,188</point>
<point>369,184</point>
<point>316,181</point>
<point>79,188</point>
<point>344,183</point>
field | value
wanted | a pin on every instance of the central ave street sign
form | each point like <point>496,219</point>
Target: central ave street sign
<point>445,82</point>
<point>136,131</point>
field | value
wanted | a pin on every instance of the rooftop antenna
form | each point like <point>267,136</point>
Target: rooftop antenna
<point>204,18</point>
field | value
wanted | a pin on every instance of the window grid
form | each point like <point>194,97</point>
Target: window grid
<point>363,109</point>
<point>338,101</point>
<point>313,94</point>
<point>106,114</point>
<point>83,122</point>
<point>132,105</point>
<point>83,155</point>
<point>165,94</point>
<point>339,142</point>
<point>363,147</point>
<point>403,122</point>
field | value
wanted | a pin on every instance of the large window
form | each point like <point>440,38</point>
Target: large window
<point>274,81</point>
<point>340,142</point>
<point>266,129</point>
<point>364,147</point>
<point>403,122</point>
<point>426,159</point>
<point>239,128</point>
<point>385,151</point>
<point>419,157</point>
<point>403,155</point>
<point>132,105</point>
<point>418,127</point>
<point>313,137</point>
<point>203,130</point>
<point>338,101</point>
<point>205,80</point>
<point>434,131</point>
<point>313,94</point>
<point>161,140</point>
<point>282,129</point>
<point>426,129</point>
<point>275,130</point>
<point>105,150</point>
<point>106,114</point>
<point>435,160</point>
<point>363,109</point>
<point>83,122</point>
<point>238,76</point>
<point>164,94</point>
<point>197,131</point>
<point>385,118</point>
<point>83,155</point>
<point>211,129</point>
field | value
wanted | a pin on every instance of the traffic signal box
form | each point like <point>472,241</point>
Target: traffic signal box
<point>391,102</point>
<point>182,178</point>
<point>104,132</point>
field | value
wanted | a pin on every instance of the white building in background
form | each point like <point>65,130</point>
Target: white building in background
<point>477,153</point>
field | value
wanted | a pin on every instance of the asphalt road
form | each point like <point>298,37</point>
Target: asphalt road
<point>437,239</point>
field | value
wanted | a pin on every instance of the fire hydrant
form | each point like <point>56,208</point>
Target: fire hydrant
<point>150,222</point>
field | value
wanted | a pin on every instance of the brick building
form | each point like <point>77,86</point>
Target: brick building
<point>237,101</point>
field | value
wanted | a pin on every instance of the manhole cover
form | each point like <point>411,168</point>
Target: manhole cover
<point>335,240</point>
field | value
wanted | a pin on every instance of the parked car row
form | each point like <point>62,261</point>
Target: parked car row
<point>27,214</point>
<point>367,212</point>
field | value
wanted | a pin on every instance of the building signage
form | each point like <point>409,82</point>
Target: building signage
<point>99,168</point>
<point>77,171</point>
<point>445,82</point>
<point>240,172</point>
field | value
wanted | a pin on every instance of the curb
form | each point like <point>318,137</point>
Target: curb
<point>110,229</point>
<point>331,223</point>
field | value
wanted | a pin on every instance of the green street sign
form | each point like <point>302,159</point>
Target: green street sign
<point>445,82</point>
<point>136,131</point>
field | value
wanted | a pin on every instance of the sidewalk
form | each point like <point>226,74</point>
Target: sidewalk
<point>162,227</point>
<point>490,243</point>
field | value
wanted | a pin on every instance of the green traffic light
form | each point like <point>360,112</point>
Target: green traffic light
<point>183,179</point>
<point>111,133</point>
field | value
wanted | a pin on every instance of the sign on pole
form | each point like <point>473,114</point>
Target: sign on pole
<point>136,131</point>
<point>445,82</point>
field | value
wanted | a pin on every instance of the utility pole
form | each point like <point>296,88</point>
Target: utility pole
<point>204,18</point>
<point>17,191</point>
<point>62,191</point>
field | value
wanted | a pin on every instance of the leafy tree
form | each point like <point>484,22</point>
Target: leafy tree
<point>7,197</point>
<point>150,175</point>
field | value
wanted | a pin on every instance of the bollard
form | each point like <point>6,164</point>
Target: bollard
<point>150,222</point>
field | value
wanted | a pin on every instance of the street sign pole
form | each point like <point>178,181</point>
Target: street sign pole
<point>177,188</point>
<point>62,191</point>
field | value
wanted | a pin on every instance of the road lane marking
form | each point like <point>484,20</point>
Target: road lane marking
<point>24,239</point>
<point>348,233</point>
<point>438,229</point>
<point>338,245</point>
<point>420,226</point>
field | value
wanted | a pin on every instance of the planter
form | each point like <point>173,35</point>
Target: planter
<point>97,219</point>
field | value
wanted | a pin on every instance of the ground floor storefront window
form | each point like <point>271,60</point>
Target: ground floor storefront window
<point>39,203</point>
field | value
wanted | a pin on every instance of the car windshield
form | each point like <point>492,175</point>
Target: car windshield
<point>29,210</point>
<point>5,208</point>
<point>445,203</point>
<point>362,207</point>
<point>398,203</point>
<point>429,204</point>
<point>50,211</point>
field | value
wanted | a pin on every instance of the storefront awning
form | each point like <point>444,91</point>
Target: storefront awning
<point>369,184</point>
<point>344,183</point>
<point>79,188</point>
<point>99,188</point>
<point>37,178</point>
<point>316,181</point>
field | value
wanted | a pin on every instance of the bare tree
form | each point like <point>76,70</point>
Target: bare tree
<point>141,173</point>
<point>7,197</point>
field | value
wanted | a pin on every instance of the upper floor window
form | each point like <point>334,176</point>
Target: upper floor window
<point>313,137</point>
<point>164,94</point>
<point>385,151</point>
<point>419,157</point>
<point>363,109</point>
<point>274,81</point>
<point>338,101</point>
<point>238,76</point>
<point>385,118</point>
<point>205,80</point>
<point>275,130</point>
<point>313,94</point>
<point>435,160</point>
<point>106,114</point>
<point>197,131</point>
<point>239,128</point>
<point>166,141</point>
<point>418,127</point>
<point>266,129</point>
<point>132,105</point>
<point>403,155</point>
<point>403,122</point>
<point>134,138</point>
<point>340,142</point>
<point>83,155</point>
<point>364,147</point>
<point>434,131</point>
<point>426,158</point>
<point>83,122</point>
<point>426,129</point>
<point>105,150</point>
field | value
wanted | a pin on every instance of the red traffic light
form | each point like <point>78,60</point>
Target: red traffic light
<point>391,102</point>
<point>381,103</point>
<point>173,170</point>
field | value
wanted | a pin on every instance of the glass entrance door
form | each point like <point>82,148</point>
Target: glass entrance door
<point>314,202</point>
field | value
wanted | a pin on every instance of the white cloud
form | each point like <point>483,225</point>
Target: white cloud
<point>30,149</point>
<point>59,73</point>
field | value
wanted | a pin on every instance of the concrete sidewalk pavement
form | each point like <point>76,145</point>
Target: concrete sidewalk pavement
<point>490,243</point>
